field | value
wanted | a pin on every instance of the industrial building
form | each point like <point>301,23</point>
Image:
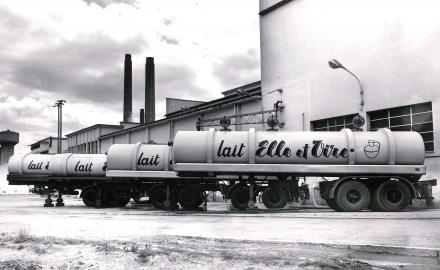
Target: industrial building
<point>86,140</point>
<point>321,65</point>
<point>390,48</point>
<point>48,146</point>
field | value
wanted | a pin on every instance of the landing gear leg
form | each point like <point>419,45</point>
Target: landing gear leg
<point>60,199</point>
<point>99,202</point>
<point>167,202</point>
<point>48,202</point>
<point>205,203</point>
<point>251,202</point>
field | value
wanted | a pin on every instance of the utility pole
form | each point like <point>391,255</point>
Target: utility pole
<point>59,104</point>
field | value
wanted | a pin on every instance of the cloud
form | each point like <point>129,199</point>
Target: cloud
<point>87,69</point>
<point>105,3</point>
<point>167,21</point>
<point>238,69</point>
<point>169,40</point>
<point>33,118</point>
<point>172,80</point>
<point>74,50</point>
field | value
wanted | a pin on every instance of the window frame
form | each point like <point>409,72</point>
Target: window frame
<point>411,125</point>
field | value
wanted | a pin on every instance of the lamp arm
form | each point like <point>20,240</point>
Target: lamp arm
<point>361,92</point>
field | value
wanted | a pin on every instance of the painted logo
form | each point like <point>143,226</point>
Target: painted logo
<point>372,149</point>
<point>83,167</point>
<point>148,161</point>
<point>38,166</point>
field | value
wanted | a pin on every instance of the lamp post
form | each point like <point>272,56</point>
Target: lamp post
<point>59,104</point>
<point>358,120</point>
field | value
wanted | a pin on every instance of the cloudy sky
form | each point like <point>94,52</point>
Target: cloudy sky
<point>74,50</point>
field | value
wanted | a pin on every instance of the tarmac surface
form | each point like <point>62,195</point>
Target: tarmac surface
<point>411,238</point>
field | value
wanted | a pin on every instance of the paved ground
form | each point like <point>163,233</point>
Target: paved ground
<point>373,239</point>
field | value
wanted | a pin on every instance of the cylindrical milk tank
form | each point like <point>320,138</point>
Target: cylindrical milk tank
<point>60,164</point>
<point>139,157</point>
<point>87,165</point>
<point>344,147</point>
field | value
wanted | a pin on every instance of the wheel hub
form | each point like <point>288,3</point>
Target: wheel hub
<point>353,196</point>
<point>394,196</point>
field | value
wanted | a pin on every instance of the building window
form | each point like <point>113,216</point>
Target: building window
<point>334,124</point>
<point>417,117</point>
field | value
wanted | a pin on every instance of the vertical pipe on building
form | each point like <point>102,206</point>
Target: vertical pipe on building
<point>127,89</point>
<point>142,116</point>
<point>149,90</point>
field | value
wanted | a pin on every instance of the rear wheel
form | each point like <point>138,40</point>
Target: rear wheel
<point>392,196</point>
<point>275,197</point>
<point>352,196</point>
<point>108,198</point>
<point>90,197</point>
<point>158,197</point>
<point>122,201</point>
<point>240,197</point>
<point>190,197</point>
<point>332,204</point>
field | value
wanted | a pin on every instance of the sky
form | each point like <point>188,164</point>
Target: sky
<point>74,50</point>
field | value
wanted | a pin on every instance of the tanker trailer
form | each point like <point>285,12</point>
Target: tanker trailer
<point>375,170</point>
<point>66,173</point>
<point>152,165</point>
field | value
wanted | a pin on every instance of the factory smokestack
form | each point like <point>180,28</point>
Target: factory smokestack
<point>127,89</point>
<point>149,90</point>
<point>142,116</point>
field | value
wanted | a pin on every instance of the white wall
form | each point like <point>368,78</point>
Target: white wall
<point>185,124</point>
<point>160,134</point>
<point>138,136</point>
<point>392,46</point>
<point>105,145</point>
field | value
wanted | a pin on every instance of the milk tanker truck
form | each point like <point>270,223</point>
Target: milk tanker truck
<point>377,170</point>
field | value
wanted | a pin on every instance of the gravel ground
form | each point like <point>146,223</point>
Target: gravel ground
<point>139,237</point>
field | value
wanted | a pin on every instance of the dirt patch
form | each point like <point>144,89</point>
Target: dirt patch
<point>168,252</point>
<point>19,265</point>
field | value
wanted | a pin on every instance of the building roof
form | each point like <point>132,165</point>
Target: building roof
<point>243,94</point>
<point>93,127</point>
<point>45,139</point>
<point>235,95</point>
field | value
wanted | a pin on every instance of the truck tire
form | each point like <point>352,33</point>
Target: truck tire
<point>108,198</point>
<point>240,197</point>
<point>274,197</point>
<point>122,201</point>
<point>392,196</point>
<point>158,196</point>
<point>190,197</point>
<point>90,196</point>
<point>332,204</point>
<point>352,196</point>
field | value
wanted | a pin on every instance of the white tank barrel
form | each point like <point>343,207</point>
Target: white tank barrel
<point>60,164</point>
<point>265,147</point>
<point>87,165</point>
<point>139,157</point>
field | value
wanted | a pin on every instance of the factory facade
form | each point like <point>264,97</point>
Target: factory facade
<point>392,52</point>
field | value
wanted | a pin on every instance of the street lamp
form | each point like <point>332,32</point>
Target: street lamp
<point>358,120</point>
<point>59,103</point>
